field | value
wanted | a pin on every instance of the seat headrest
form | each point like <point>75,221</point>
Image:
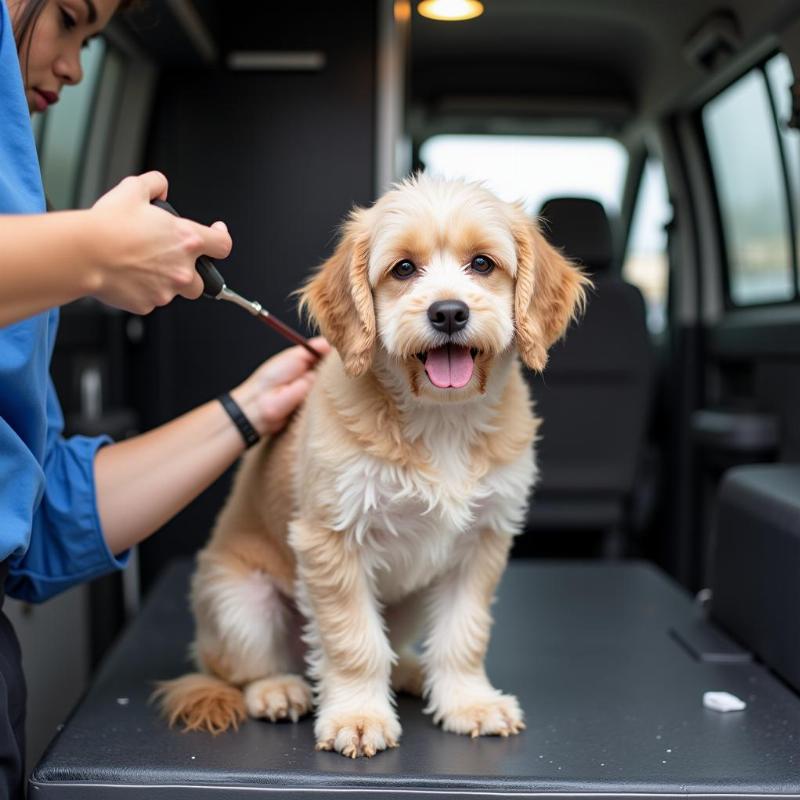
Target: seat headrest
<point>580,228</point>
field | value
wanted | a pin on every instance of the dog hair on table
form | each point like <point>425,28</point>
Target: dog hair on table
<point>360,549</point>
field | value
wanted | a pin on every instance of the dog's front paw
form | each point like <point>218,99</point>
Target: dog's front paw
<point>355,735</point>
<point>494,716</point>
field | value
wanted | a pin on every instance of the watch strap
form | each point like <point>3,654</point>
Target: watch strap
<point>244,426</point>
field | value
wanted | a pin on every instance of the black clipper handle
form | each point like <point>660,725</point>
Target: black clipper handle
<point>213,282</point>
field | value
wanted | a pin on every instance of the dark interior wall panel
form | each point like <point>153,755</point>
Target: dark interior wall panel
<point>757,353</point>
<point>281,157</point>
<point>777,390</point>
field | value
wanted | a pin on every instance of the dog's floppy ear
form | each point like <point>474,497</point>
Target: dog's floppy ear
<point>338,298</point>
<point>550,292</point>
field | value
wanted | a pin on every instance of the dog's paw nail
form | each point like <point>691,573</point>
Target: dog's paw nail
<point>359,735</point>
<point>495,716</point>
<point>278,697</point>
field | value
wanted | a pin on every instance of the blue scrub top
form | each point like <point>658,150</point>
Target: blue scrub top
<point>49,527</point>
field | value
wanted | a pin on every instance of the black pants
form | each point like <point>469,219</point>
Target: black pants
<point>12,707</point>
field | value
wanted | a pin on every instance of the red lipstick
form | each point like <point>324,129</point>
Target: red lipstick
<point>43,99</point>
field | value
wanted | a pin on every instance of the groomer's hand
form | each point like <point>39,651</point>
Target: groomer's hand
<point>270,395</point>
<point>144,255</point>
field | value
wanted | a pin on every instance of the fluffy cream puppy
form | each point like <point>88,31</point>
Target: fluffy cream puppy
<point>384,514</point>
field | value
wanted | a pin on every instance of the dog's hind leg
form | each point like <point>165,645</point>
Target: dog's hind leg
<point>247,646</point>
<point>405,623</point>
<point>278,697</point>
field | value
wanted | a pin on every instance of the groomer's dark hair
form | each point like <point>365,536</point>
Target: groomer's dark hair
<point>27,18</point>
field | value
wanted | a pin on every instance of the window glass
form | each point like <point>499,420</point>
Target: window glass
<point>646,262</point>
<point>65,131</point>
<point>105,111</point>
<point>37,126</point>
<point>781,78</point>
<point>746,162</point>
<point>533,168</point>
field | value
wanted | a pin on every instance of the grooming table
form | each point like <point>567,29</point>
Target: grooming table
<point>609,661</point>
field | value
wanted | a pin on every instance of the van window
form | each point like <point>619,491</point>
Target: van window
<point>646,262</point>
<point>746,159</point>
<point>533,168</point>
<point>781,78</point>
<point>64,130</point>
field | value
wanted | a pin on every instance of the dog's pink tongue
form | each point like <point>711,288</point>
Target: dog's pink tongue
<point>450,365</point>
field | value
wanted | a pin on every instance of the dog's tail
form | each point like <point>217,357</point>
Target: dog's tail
<point>200,703</point>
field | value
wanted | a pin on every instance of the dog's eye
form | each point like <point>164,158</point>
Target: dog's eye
<point>482,264</point>
<point>405,269</point>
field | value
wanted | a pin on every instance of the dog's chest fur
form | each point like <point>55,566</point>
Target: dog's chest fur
<point>412,523</point>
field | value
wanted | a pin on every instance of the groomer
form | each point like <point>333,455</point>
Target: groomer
<point>71,508</point>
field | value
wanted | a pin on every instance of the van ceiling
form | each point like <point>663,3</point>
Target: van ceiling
<point>628,54</point>
<point>602,59</point>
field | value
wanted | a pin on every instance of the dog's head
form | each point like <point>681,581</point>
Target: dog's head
<point>443,277</point>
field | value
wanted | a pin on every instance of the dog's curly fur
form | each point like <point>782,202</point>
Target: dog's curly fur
<point>385,512</point>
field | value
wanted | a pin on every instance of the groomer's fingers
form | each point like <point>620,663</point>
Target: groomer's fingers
<point>293,362</point>
<point>321,345</point>
<point>156,184</point>
<point>282,400</point>
<point>214,241</point>
<point>194,289</point>
<point>300,356</point>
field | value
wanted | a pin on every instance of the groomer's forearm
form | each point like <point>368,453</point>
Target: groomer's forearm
<point>144,481</point>
<point>48,260</point>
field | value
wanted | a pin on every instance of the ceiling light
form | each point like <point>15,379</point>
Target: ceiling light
<point>450,10</point>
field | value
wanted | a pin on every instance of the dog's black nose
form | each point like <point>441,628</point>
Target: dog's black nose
<point>448,316</point>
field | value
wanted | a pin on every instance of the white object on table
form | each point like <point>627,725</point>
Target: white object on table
<point>723,701</point>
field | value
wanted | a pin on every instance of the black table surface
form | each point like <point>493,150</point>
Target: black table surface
<point>600,656</point>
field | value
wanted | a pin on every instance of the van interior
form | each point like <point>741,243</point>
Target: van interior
<point>659,145</point>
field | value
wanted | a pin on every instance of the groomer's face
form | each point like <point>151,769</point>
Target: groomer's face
<point>51,52</point>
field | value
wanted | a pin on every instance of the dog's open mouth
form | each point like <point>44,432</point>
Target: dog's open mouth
<point>449,366</point>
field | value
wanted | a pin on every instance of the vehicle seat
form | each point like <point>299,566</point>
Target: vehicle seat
<point>594,396</point>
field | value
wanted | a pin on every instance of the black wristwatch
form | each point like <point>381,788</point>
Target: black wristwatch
<point>244,426</point>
